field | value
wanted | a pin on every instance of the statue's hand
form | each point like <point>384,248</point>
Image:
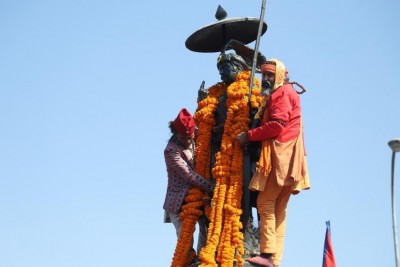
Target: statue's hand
<point>202,92</point>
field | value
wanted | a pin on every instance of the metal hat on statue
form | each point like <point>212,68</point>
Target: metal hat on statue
<point>213,37</point>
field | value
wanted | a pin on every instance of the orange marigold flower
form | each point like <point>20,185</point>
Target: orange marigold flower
<point>224,235</point>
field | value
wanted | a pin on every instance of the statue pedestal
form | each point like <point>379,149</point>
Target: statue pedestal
<point>251,242</point>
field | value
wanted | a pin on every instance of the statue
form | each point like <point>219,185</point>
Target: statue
<point>229,164</point>
<point>224,110</point>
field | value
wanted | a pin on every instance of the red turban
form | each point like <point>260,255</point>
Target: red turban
<point>184,123</point>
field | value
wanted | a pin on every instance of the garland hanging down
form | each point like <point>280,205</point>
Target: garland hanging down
<point>194,200</point>
<point>224,238</point>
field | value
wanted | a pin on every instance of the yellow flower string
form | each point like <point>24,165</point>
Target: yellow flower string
<point>194,200</point>
<point>189,216</point>
<point>224,238</point>
<point>237,121</point>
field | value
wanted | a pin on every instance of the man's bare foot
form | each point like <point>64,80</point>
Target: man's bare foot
<point>260,261</point>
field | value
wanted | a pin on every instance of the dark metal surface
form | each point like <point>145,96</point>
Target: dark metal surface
<point>213,37</point>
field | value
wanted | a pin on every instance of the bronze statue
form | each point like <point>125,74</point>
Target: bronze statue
<point>225,109</point>
<point>219,99</point>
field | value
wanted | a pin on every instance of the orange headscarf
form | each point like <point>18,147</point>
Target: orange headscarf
<point>275,66</point>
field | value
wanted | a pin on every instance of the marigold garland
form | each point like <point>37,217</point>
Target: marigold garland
<point>189,216</point>
<point>194,200</point>
<point>224,238</point>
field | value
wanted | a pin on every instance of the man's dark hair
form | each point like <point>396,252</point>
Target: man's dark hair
<point>171,127</point>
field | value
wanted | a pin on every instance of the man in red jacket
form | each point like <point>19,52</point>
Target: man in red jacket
<point>282,168</point>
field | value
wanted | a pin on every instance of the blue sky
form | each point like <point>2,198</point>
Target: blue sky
<point>86,92</point>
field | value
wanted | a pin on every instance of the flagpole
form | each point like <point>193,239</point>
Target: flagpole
<point>395,146</point>
<point>260,26</point>
<point>396,252</point>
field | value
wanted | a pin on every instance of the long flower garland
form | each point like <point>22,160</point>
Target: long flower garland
<point>193,207</point>
<point>224,238</point>
<point>189,216</point>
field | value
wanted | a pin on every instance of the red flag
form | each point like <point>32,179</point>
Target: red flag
<point>329,257</point>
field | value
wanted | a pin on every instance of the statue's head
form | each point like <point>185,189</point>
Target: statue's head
<point>229,65</point>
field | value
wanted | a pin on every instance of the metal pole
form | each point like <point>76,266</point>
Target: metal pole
<point>260,26</point>
<point>396,252</point>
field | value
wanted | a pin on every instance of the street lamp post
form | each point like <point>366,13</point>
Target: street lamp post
<point>395,146</point>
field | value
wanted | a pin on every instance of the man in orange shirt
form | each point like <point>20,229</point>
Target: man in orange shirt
<point>282,168</point>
